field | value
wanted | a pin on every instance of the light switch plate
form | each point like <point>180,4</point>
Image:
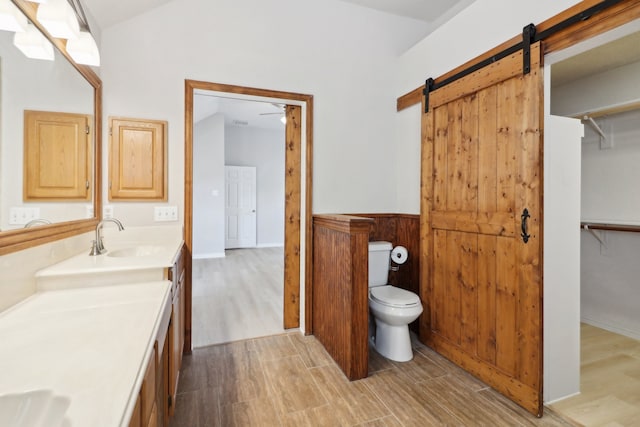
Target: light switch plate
<point>165,213</point>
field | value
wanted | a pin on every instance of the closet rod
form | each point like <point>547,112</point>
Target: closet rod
<point>609,227</point>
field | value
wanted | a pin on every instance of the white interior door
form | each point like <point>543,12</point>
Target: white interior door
<point>240,207</point>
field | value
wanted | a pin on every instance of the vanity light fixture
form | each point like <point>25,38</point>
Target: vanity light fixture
<point>59,19</point>
<point>83,49</point>
<point>33,44</point>
<point>11,19</point>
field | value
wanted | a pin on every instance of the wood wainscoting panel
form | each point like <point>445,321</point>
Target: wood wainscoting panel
<point>340,290</point>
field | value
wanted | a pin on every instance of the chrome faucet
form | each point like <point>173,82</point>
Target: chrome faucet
<point>98,246</point>
<point>36,222</point>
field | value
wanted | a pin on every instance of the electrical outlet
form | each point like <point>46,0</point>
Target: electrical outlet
<point>173,213</point>
<point>107,211</point>
<point>165,213</point>
<point>22,215</point>
<point>89,211</point>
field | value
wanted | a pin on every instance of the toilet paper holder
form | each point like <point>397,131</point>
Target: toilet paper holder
<point>399,256</point>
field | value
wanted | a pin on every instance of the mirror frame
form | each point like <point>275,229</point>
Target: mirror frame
<point>17,240</point>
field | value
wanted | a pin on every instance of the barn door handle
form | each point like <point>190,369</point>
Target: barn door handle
<point>523,223</point>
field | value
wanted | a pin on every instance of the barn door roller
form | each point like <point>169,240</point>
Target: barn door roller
<point>528,37</point>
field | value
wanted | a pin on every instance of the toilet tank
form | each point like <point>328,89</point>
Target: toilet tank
<point>379,253</point>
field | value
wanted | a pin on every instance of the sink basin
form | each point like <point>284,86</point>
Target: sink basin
<point>136,251</point>
<point>38,408</point>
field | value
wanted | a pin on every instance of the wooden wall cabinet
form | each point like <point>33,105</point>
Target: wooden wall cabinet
<point>137,159</point>
<point>57,156</point>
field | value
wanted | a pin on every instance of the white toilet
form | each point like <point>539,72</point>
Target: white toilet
<point>392,308</point>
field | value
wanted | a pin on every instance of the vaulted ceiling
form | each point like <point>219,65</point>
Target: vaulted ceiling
<point>434,12</point>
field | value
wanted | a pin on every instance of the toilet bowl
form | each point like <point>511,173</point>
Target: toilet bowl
<point>391,308</point>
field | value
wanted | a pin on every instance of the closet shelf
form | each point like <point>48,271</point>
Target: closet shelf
<point>609,227</point>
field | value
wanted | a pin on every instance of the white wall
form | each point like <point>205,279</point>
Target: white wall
<point>562,139</point>
<point>208,187</point>
<point>341,54</point>
<point>482,26</point>
<point>264,149</point>
<point>610,176</point>
<point>598,92</point>
<point>18,269</point>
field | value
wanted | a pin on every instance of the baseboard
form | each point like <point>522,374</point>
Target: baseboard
<point>208,256</point>
<point>561,399</point>
<point>270,245</point>
<point>611,328</point>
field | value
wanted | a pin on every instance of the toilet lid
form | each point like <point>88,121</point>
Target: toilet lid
<point>395,297</point>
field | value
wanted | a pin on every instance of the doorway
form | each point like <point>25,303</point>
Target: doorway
<point>607,320</point>
<point>298,189</point>
<point>238,219</point>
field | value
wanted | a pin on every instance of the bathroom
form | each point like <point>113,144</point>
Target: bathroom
<point>345,105</point>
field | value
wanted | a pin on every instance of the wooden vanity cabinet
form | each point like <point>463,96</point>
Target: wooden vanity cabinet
<point>176,327</point>
<point>145,413</point>
<point>152,405</point>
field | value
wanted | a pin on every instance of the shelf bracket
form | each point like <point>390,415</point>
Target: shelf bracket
<point>604,141</point>
<point>595,234</point>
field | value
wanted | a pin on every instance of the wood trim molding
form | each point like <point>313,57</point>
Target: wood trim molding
<point>619,14</point>
<point>343,223</point>
<point>307,101</point>
<point>292,208</point>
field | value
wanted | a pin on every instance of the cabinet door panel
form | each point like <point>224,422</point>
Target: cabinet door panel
<point>56,156</point>
<point>137,159</point>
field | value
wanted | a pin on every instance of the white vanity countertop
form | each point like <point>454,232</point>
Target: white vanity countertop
<point>159,247</point>
<point>90,345</point>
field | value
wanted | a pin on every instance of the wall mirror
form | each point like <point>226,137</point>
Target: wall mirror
<point>63,87</point>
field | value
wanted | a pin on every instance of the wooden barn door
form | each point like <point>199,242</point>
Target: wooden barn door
<point>481,281</point>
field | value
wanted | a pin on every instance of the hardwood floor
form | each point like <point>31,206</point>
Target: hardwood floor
<point>609,381</point>
<point>290,380</point>
<point>238,297</point>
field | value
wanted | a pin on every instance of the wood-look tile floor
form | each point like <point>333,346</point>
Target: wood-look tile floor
<point>237,297</point>
<point>290,380</point>
<point>609,381</point>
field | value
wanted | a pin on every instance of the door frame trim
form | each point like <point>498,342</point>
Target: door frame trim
<point>298,99</point>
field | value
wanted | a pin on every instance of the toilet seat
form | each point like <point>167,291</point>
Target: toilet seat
<point>391,296</point>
